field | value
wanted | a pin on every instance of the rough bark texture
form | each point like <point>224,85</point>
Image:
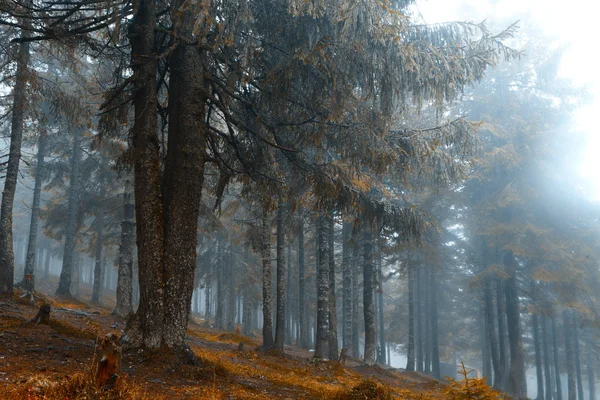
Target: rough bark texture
<point>125,280</point>
<point>29,284</point>
<point>267,329</point>
<point>346,286</point>
<point>556,360</point>
<point>410,351</point>
<point>322,336</point>
<point>280,289</point>
<point>539,373</point>
<point>303,320</point>
<point>368,299</point>
<point>570,362</point>
<point>64,285</point>
<point>7,258</point>
<point>517,385</point>
<point>333,336</point>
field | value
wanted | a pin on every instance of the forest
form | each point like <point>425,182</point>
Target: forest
<point>336,188</point>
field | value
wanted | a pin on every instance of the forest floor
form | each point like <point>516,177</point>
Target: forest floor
<point>55,360</point>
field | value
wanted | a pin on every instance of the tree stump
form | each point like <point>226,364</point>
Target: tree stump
<point>43,315</point>
<point>108,362</point>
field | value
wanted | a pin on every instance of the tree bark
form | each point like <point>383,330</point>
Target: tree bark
<point>577,355</point>
<point>280,289</point>
<point>322,336</point>
<point>539,373</point>
<point>419,317</point>
<point>355,292</point>
<point>347,285</point>
<point>590,372</point>
<point>498,366</point>
<point>267,329</point>
<point>570,362</point>
<point>333,336</point>
<point>231,288</point>
<point>7,258</point>
<point>64,285</point>
<point>99,264</point>
<point>220,295</point>
<point>381,356</point>
<point>125,280</point>
<point>517,385</point>
<point>29,284</point>
<point>501,314</point>
<point>546,350</point>
<point>410,351</point>
<point>368,298</point>
<point>435,337</point>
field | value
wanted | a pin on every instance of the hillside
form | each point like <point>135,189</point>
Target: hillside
<point>55,361</point>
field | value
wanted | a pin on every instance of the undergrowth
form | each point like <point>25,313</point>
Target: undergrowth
<point>470,389</point>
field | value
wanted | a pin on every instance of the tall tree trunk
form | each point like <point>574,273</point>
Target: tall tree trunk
<point>267,329</point>
<point>220,296</point>
<point>99,264</point>
<point>577,355</point>
<point>322,334</point>
<point>488,294</point>
<point>517,385</point>
<point>419,317</point>
<point>280,322</point>
<point>570,362</point>
<point>410,352</point>
<point>303,320</point>
<point>539,373</point>
<point>556,360</point>
<point>47,264</point>
<point>290,298</point>
<point>231,286</point>
<point>590,372</point>
<point>333,326</point>
<point>125,281</point>
<point>546,350</point>
<point>7,259</point>
<point>368,298</point>
<point>435,338</point>
<point>355,292</point>
<point>29,274</point>
<point>64,285</point>
<point>501,314</point>
<point>485,347</point>
<point>347,286</point>
<point>425,317</point>
<point>381,354</point>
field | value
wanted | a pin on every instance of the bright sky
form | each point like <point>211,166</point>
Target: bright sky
<point>573,24</point>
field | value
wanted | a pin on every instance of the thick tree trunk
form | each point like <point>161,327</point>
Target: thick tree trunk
<point>347,286</point>
<point>29,283</point>
<point>577,355</point>
<point>267,329</point>
<point>539,373</point>
<point>486,369</point>
<point>303,320</point>
<point>546,361</point>
<point>368,298</point>
<point>410,351</point>
<point>322,334</point>
<point>280,289</point>
<point>333,326</point>
<point>517,385</point>
<point>125,280</point>
<point>7,258</point>
<point>556,360</point>
<point>570,362</point>
<point>64,285</point>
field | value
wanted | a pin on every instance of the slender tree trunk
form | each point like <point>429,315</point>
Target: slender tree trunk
<point>577,355</point>
<point>355,293</point>
<point>290,298</point>
<point>501,313</point>
<point>47,264</point>
<point>556,360</point>
<point>570,362</point>
<point>303,320</point>
<point>410,352</point>
<point>368,298</point>
<point>64,285</point>
<point>426,317</point>
<point>220,296</point>
<point>322,334</point>
<point>419,318</point>
<point>99,265</point>
<point>125,280</point>
<point>485,347</point>
<point>231,286</point>
<point>267,329</point>
<point>280,322</point>
<point>381,354</point>
<point>333,336</point>
<point>7,261</point>
<point>488,294</point>
<point>247,293</point>
<point>347,285</point>
<point>517,385</point>
<point>435,339</point>
<point>590,372</point>
<point>538,357</point>
<point>546,350</point>
<point>29,274</point>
